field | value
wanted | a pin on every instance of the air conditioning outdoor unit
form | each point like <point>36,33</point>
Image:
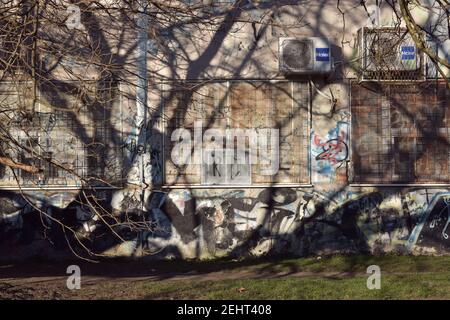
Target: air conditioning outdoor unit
<point>441,48</point>
<point>389,54</point>
<point>309,55</point>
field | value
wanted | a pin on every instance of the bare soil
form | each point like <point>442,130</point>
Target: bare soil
<point>48,281</point>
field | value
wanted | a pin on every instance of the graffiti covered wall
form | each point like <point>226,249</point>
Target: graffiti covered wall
<point>363,170</point>
<point>327,216</point>
<point>330,215</point>
<point>237,223</point>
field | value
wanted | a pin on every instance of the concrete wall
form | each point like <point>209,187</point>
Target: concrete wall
<point>238,222</point>
<point>328,215</point>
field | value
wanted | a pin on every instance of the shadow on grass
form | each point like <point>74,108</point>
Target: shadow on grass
<point>275,266</point>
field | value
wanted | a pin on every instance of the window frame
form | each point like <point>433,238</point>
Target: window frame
<point>357,184</point>
<point>24,185</point>
<point>163,129</point>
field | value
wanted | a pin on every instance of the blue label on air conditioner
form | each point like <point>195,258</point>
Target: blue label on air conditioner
<point>408,52</point>
<point>322,54</point>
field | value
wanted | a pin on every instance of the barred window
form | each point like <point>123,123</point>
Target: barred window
<point>401,133</point>
<point>255,106</point>
<point>65,137</point>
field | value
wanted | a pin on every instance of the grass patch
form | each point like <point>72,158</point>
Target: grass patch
<point>328,277</point>
<point>333,263</point>
<point>410,286</point>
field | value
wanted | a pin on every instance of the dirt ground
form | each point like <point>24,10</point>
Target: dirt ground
<point>49,281</point>
<point>330,277</point>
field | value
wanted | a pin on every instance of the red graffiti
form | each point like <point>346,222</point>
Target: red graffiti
<point>334,150</point>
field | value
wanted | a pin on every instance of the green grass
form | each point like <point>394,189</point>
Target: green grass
<point>409,286</point>
<point>402,277</point>
<point>332,263</point>
<point>330,277</point>
<point>340,263</point>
